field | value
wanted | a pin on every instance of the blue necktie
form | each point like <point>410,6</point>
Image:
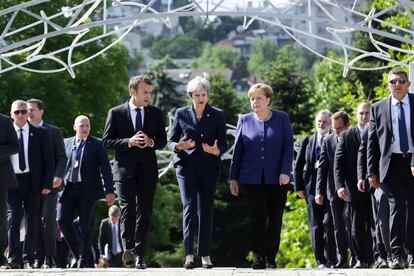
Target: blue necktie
<point>22,159</point>
<point>138,120</point>
<point>402,129</point>
<point>114,240</point>
<point>76,164</point>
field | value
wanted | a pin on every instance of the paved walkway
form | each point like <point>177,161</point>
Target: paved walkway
<point>225,271</point>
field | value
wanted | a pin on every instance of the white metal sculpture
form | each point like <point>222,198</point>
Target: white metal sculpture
<point>79,23</point>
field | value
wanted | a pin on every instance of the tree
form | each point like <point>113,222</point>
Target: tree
<point>263,53</point>
<point>165,94</point>
<point>291,89</point>
<point>222,56</point>
<point>223,95</point>
<point>99,83</point>
<point>180,46</point>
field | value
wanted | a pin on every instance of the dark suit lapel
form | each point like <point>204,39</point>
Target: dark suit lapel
<point>207,116</point>
<point>388,117</point>
<point>355,134</point>
<point>30,144</point>
<point>411,98</point>
<point>192,117</point>
<point>86,149</point>
<point>312,143</point>
<point>127,115</point>
<point>147,118</point>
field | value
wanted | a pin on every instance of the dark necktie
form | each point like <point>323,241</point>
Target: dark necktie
<point>402,129</point>
<point>76,163</point>
<point>114,240</point>
<point>22,159</point>
<point>138,120</point>
<point>318,149</point>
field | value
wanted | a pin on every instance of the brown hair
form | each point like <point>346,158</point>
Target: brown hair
<point>341,115</point>
<point>135,81</point>
<point>38,102</point>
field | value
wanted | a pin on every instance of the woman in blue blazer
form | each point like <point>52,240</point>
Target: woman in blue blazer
<point>198,138</point>
<point>261,163</point>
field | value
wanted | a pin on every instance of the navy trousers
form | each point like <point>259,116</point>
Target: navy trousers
<point>197,181</point>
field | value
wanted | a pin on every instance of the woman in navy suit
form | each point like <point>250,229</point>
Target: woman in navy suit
<point>198,138</point>
<point>261,165</point>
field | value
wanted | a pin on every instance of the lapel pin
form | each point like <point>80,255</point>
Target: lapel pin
<point>31,133</point>
<point>208,115</point>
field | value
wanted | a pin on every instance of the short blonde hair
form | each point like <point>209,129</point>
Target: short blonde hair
<point>198,84</point>
<point>261,87</point>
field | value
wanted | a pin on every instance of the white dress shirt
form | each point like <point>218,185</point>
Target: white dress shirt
<point>15,157</point>
<point>73,158</point>
<point>133,112</point>
<point>395,110</point>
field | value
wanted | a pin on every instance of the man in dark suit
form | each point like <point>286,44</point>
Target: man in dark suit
<point>46,249</point>
<point>135,130</point>
<point>109,241</point>
<point>9,145</point>
<point>346,180</point>
<point>325,189</point>
<point>390,150</point>
<point>381,227</point>
<point>87,165</point>
<point>305,172</point>
<point>34,169</point>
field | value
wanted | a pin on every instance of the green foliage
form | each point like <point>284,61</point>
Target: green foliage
<point>99,83</point>
<point>179,46</point>
<point>223,96</point>
<point>295,247</point>
<point>216,57</point>
<point>291,90</point>
<point>263,53</point>
<point>344,93</point>
<point>165,95</point>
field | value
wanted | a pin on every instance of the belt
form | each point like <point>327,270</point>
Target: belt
<point>402,155</point>
<point>75,185</point>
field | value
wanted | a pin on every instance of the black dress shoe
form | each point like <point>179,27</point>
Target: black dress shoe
<point>397,263</point>
<point>271,265</point>
<point>139,263</point>
<point>322,266</point>
<point>37,264</point>
<point>342,264</point>
<point>259,262</point>
<point>15,265</point>
<point>27,265</point>
<point>189,265</point>
<point>128,258</point>
<point>207,265</point>
<point>49,262</point>
<point>73,263</point>
<point>410,261</point>
<point>360,264</point>
<point>380,263</point>
<point>82,263</point>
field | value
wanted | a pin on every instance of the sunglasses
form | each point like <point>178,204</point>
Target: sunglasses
<point>399,81</point>
<point>17,112</point>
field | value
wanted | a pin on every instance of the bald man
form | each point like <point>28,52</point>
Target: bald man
<point>87,161</point>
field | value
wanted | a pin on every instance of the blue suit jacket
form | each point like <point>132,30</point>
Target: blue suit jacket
<point>95,166</point>
<point>262,147</point>
<point>211,127</point>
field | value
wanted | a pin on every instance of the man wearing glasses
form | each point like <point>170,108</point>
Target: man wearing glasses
<point>390,152</point>
<point>34,171</point>
<point>9,145</point>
